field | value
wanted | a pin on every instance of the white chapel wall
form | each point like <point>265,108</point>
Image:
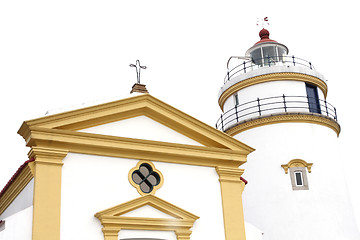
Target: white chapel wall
<point>21,202</point>
<point>18,226</point>
<point>94,183</point>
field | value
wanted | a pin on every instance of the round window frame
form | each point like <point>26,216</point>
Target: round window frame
<point>137,186</point>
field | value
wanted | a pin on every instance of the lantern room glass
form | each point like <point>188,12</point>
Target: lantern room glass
<point>267,55</point>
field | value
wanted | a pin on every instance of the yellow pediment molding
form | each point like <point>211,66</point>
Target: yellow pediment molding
<point>113,222</point>
<point>142,105</point>
<point>296,163</point>
<point>149,200</point>
<point>59,132</point>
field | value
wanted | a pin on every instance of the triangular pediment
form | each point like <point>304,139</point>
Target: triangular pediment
<point>141,105</point>
<point>147,211</point>
<point>141,127</point>
<point>114,219</point>
<point>151,201</point>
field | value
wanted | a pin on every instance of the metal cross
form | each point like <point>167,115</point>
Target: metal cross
<point>138,68</point>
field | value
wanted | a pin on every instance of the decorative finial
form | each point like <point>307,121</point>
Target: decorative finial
<point>263,21</point>
<point>138,68</point>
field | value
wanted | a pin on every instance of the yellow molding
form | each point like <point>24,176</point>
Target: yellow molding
<point>88,143</point>
<point>16,187</point>
<point>283,76</point>
<point>283,118</point>
<point>113,222</point>
<point>150,200</point>
<point>142,105</point>
<point>136,223</point>
<point>296,163</point>
<point>137,186</point>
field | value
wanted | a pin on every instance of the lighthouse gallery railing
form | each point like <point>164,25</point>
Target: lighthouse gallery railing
<point>272,106</point>
<point>269,61</point>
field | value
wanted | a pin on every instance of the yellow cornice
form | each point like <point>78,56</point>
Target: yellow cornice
<point>296,117</point>
<point>96,144</point>
<point>16,186</point>
<point>145,105</point>
<point>283,76</point>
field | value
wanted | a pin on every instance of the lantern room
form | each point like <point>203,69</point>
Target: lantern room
<point>267,51</point>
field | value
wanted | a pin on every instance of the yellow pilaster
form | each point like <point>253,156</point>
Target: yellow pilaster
<point>47,193</point>
<point>231,193</point>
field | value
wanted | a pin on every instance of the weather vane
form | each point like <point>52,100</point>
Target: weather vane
<point>263,21</point>
<point>138,68</point>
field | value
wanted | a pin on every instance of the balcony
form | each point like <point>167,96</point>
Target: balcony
<point>270,61</point>
<point>271,106</point>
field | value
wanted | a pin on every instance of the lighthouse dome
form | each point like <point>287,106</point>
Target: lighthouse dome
<point>264,36</point>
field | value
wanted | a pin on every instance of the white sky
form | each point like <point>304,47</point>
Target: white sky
<point>55,54</point>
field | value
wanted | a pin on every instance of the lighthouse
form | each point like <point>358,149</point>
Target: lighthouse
<point>276,103</point>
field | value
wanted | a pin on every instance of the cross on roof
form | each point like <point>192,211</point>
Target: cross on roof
<point>138,68</point>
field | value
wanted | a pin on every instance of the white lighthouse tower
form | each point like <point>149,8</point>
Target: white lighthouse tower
<point>277,104</point>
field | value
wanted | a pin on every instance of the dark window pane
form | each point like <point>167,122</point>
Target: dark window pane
<point>313,98</point>
<point>298,179</point>
<point>236,97</point>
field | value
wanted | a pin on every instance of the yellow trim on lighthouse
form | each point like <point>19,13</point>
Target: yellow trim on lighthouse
<point>283,118</point>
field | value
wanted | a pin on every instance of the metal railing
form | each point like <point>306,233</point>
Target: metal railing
<point>269,61</point>
<point>272,106</point>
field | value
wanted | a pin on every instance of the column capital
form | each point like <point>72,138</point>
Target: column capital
<point>229,174</point>
<point>110,233</point>
<point>183,234</point>
<point>47,155</point>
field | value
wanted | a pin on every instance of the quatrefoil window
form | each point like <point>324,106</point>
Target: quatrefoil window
<point>145,178</point>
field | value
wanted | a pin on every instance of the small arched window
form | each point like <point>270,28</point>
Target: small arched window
<point>298,175</point>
